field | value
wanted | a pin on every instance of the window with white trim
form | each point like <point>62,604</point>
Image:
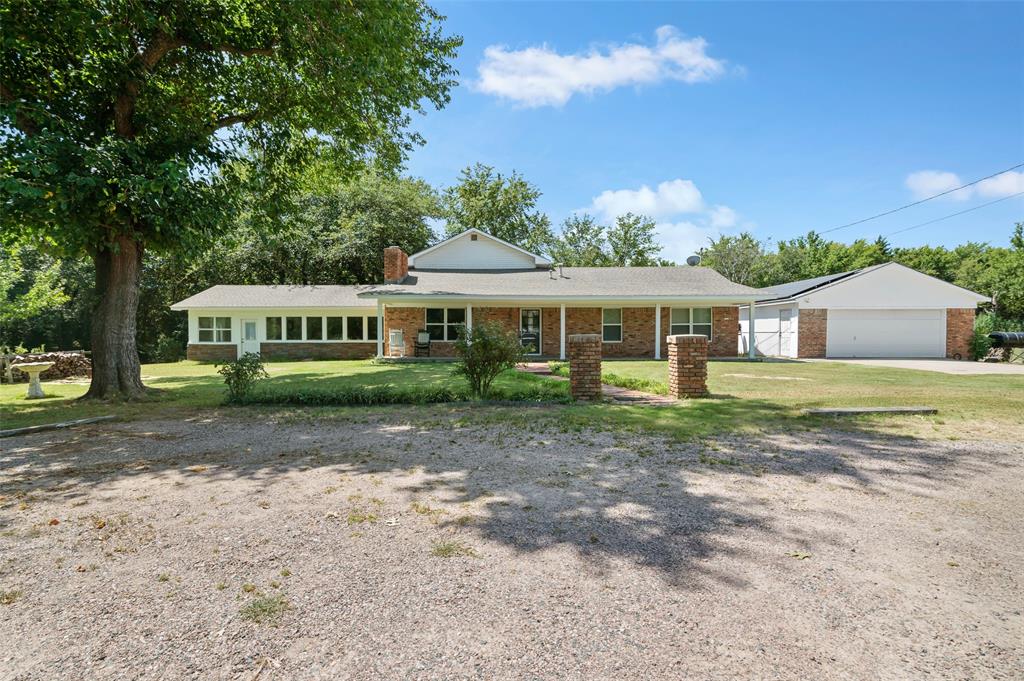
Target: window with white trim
<point>335,328</point>
<point>444,323</point>
<point>691,320</point>
<point>611,324</point>
<point>314,328</point>
<point>293,328</point>
<point>215,329</point>
<point>274,328</point>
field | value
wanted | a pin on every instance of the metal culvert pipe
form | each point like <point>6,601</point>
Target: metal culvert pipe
<point>1007,339</point>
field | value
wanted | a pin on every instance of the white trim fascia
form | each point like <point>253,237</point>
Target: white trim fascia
<point>612,301</point>
<point>537,259</point>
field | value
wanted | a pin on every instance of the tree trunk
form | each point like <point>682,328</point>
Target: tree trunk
<point>116,372</point>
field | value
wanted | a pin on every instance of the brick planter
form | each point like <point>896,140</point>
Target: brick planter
<point>585,366</point>
<point>687,366</point>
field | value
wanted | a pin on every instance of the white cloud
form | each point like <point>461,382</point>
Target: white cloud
<point>685,222</point>
<point>540,76</point>
<point>674,197</point>
<point>680,240</point>
<point>1005,184</point>
<point>927,183</point>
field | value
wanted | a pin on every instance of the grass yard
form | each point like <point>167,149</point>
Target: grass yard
<point>190,386</point>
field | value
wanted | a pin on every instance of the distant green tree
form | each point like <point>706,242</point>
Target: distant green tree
<point>27,292</point>
<point>632,242</point>
<point>741,258</point>
<point>582,243</point>
<point>505,207</point>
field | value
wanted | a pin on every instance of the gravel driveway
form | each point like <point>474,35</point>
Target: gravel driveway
<point>231,548</point>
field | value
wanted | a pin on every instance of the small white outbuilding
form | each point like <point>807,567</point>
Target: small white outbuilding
<point>887,310</point>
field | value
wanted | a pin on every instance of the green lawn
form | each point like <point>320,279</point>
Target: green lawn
<point>189,386</point>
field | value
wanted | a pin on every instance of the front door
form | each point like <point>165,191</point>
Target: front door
<point>250,343</point>
<point>529,330</point>
<point>785,332</point>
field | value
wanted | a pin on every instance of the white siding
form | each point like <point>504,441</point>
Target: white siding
<point>260,314</point>
<point>463,253</point>
<point>892,287</point>
<point>773,336</point>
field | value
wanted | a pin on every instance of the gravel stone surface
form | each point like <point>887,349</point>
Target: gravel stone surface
<point>436,551</point>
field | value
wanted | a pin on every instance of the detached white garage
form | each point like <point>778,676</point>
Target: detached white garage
<point>882,311</point>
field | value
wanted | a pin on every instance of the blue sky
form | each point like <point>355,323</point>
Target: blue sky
<point>719,117</point>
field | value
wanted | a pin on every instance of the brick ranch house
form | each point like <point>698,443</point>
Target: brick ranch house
<point>464,280</point>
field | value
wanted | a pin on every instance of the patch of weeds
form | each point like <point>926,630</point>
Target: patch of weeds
<point>423,509</point>
<point>163,577</point>
<point>265,609</point>
<point>274,584</point>
<point>464,520</point>
<point>330,490</point>
<point>356,516</point>
<point>799,555</point>
<point>221,586</point>
<point>249,588</point>
<point>286,572</point>
<point>8,597</point>
<point>453,549</point>
<point>717,461</point>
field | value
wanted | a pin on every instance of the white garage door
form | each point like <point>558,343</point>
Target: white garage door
<point>886,333</point>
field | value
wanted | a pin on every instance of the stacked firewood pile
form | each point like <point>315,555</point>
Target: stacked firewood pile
<point>65,365</point>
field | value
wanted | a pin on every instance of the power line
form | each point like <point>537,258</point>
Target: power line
<point>915,203</point>
<point>953,215</point>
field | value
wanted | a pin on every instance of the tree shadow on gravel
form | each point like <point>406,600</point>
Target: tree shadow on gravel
<point>512,476</point>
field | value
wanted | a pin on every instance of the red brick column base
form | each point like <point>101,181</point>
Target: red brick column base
<point>585,366</point>
<point>959,332</point>
<point>687,365</point>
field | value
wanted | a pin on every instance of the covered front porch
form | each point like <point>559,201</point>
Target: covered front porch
<point>632,329</point>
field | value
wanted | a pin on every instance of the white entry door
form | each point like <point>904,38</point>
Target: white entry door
<point>250,340</point>
<point>785,332</point>
<point>886,333</point>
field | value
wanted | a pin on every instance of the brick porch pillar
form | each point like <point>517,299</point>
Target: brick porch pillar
<point>585,366</point>
<point>687,365</point>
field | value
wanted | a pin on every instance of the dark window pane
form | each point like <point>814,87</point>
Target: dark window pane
<point>454,330</point>
<point>293,328</point>
<point>314,328</point>
<point>206,322</point>
<point>273,328</point>
<point>456,315</point>
<point>612,333</point>
<point>371,328</point>
<point>612,315</point>
<point>702,328</point>
<point>435,315</point>
<point>436,332</point>
<point>354,327</point>
<point>680,328</point>
<point>205,335</point>
<point>702,315</point>
<point>223,322</point>
<point>223,335</point>
<point>334,328</point>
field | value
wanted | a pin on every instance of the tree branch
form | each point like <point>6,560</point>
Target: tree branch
<point>143,62</point>
<point>22,120</point>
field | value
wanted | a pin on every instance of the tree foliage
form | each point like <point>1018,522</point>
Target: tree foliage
<point>485,351</point>
<point>582,243</point>
<point>505,207</point>
<point>632,242</point>
<point>128,127</point>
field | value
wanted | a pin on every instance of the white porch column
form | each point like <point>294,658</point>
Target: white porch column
<point>380,328</point>
<point>657,331</point>
<point>751,320</point>
<point>469,321</point>
<point>561,331</point>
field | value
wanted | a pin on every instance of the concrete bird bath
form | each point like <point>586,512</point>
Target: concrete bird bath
<point>33,369</point>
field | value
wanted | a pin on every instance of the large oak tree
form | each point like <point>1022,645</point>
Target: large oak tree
<point>130,125</point>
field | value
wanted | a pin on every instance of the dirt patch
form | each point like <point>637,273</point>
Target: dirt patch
<point>393,549</point>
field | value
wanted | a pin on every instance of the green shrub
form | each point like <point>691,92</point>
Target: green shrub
<point>484,352</point>
<point>169,349</point>
<point>646,385</point>
<point>986,323</point>
<point>241,375</point>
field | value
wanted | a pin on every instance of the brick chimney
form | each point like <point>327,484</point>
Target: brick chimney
<point>396,265</point>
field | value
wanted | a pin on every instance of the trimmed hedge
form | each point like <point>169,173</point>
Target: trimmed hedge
<point>372,395</point>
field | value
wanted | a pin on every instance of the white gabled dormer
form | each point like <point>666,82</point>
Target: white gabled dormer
<point>476,250</point>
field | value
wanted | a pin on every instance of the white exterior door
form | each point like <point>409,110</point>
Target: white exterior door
<point>785,332</point>
<point>886,333</point>
<point>250,339</point>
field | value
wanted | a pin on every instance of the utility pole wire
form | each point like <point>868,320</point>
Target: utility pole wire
<point>915,203</point>
<point>953,215</point>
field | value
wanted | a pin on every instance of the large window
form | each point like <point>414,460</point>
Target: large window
<point>611,324</point>
<point>371,328</point>
<point>274,328</point>
<point>354,328</point>
<point>691,320</point>
<point>293,328</point>
<point>215,329</point>
<point>314,328</point>
<point>335,328</point>
<point>444,323</point>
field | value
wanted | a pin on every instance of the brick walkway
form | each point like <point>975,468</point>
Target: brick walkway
<point>611,393</point>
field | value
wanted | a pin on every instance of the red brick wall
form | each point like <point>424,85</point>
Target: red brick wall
<point>508,317</point>
<point>812,330</point>
<point>959,330</point>
<point>318,350</point>
<point>688,366</point>
<point>409,320</point>
<point>725,332</point>
<point>204,352</point>
<point>550,326</point>
<point>584,353</point>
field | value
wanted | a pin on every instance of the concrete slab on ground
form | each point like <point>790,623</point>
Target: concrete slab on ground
<point>945,366</point>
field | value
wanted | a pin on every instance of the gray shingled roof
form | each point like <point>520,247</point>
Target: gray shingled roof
<point>612,282</point>
<point>795,288</point>
<point>277,296</point>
